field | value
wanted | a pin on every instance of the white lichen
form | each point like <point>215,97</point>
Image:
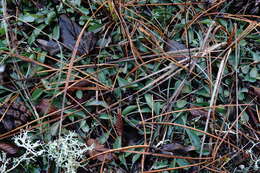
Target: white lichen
<point>66,152</point>
<point>32,150</point>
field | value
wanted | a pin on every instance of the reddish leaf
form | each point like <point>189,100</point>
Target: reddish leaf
<point>8,148</point>
<point>98,148</point>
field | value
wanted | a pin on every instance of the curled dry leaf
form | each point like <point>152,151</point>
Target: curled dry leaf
<point>98,148</point>
<point>8,148</point>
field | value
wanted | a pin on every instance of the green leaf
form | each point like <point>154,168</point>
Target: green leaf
<point>244,118</point>
<point>245,69</point>
<point>54,128</point>
<point>135,158</point>
<point>129,109</point>
<point>97,103</point>
<point>95,27</point>
<point>253,73</point>
<point>160,164</point>
<point>182,162</point>
<point>194,138</point>
<point>157,107</point>
<point>56,32</point>
<point>27,18</point>
<point>104,116</point>
<point>206,21</point>
<point>181,103</point>
<point>123,160</point>
<point>35,33</point>
<point>50,17</point>
<point>117,143</point>
<point>85,11</point>
<point>104,138</point>
<point>37,93</point>
<point>79,94</point>
<point>149,100</point>
<point>84,126</point>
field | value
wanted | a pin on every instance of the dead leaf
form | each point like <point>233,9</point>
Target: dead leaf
<point>69,35</point>
<point>177,147</point>
<point>8,148</point>
<point>45,107</point>
<point>98,148</point>
<point>199,112</point>
<point>172,45</point>
<point>50,46</point>
<point>256,91</point>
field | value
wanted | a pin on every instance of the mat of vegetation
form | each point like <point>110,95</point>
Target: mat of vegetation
<point>129,86</point>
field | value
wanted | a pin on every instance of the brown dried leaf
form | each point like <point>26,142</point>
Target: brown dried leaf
<point>8,148</point>
<point>177,147</point>
<point>199,112</point>
<point>172,45</point>
<point>256,91</point>
<point>98,148</point>
<point>45,107</point>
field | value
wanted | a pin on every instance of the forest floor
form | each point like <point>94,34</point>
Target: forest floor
<point>129,86</point>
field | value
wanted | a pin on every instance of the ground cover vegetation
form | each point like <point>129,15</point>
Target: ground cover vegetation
<point>129,86</point>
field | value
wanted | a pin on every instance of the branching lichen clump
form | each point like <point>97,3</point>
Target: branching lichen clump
<point>67,151</point>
